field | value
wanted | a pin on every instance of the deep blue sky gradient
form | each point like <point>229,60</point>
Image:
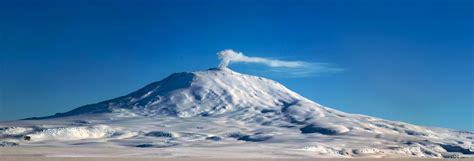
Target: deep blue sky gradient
<point>404,60</point>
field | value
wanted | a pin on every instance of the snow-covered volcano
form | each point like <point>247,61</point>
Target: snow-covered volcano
<point>222,110</point>
<point>207,93</point>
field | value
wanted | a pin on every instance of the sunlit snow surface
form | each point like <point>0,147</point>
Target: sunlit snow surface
<point>228,111</point>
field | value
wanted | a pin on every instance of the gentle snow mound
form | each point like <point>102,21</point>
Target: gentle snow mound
<point>73,133</point>
<point>322,150</point>
<point>14,130</point>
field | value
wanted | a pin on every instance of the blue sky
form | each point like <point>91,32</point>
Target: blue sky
<point>403,60</point>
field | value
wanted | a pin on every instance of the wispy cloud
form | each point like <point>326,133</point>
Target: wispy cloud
<point>292,68</point>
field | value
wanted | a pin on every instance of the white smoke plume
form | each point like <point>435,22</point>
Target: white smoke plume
<point>297,68</point>
<point>229,56</point>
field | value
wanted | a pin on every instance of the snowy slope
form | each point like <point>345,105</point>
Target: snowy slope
<point>219,108</point>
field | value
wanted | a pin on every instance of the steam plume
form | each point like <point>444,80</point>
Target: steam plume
<point>228,56</point>
<point>289,68</point>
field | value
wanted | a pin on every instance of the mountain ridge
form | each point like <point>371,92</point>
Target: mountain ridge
<point>192,108</point>
<point>174,81</point>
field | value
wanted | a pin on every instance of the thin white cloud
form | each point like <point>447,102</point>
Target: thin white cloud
<point>294,68</point>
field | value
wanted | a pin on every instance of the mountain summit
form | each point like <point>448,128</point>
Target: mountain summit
<point>212,92</point>
<point>220,107</point>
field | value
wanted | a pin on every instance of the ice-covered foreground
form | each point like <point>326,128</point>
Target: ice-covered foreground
<point>223,113</point>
